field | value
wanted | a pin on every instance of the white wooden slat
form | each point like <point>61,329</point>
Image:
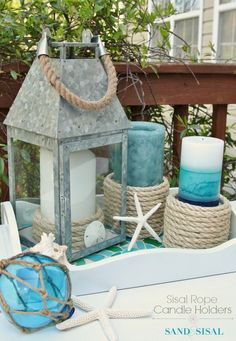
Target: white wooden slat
<point>148,267</point>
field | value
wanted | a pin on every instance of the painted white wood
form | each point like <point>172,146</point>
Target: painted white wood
<point>148,329</point>
<point>11,235</point>
<point>144,267</point>
<point>219,8</point>
<point>5,249</point>
<point>155,266</point>
<point>233,220</point>
<point>182,16</point>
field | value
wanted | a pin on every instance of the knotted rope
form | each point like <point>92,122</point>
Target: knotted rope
<point>54,316</point>
<point>148,197</point>
<point>72,98</point>
<point>190,226</point>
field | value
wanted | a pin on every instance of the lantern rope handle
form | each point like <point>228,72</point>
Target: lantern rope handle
<point>72,98</point>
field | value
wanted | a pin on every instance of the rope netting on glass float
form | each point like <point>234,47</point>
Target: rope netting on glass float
<point>35,291</point>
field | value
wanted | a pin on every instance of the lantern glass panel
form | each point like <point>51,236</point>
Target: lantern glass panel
<point>69,191</point>
<point>27,182</point>
<point>92,224</point>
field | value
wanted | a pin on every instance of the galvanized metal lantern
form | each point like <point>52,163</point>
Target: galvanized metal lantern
<point>59,150</point>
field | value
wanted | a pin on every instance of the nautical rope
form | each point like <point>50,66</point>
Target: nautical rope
<point>42,224</point>
<point>148,197</point>
<point>190,226</point>
<point>72,98</point>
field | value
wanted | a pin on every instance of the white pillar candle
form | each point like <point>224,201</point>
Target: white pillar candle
<point>82,184</point>
<point>200,169</point>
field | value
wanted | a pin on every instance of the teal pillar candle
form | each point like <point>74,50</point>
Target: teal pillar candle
<point>145,155</point>
<point>200,170</point>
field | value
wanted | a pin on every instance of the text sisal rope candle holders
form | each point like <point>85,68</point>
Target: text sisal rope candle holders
<point>148,197</point>
<point>41,224</point>
<point>196,227</point>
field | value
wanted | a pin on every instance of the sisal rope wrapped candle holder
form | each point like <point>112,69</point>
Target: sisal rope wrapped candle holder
<point>42,224</point>
<point>148,197</point>
<point>196,227</point>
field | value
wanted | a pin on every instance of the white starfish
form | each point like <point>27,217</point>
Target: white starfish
<point>141,221</point>
<point>101,314</point>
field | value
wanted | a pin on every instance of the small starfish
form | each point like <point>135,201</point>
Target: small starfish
<point>102,315</point>
<point>141,221</point>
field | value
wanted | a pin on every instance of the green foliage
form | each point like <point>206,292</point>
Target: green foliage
<point>3,167</point>
<point>118,23</point>
<point>27,170</point>
<point>21,23</point>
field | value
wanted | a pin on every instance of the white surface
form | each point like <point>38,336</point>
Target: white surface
<point>138,268</point>
<point>233,220</point>
<point>220,288</point>
<point>146,267</point>
<point>202,153</point>
<point>9,239</point>
<point>5,248</point>
<point>82,184</point>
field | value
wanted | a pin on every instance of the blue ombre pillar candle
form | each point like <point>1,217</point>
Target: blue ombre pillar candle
<point>145,155</point>
<point>200,170</point>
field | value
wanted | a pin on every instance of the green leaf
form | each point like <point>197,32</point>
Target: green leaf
<point>14,74</point>
<point>164,32</point>
<point>25,155</point>
<point>1,166</point>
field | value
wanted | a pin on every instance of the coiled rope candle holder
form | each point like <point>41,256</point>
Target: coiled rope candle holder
<point>190,226</point>
<point>42,224</point>
<point>148,198</point>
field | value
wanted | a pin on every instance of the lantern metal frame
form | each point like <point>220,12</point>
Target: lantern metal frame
<point>61,148</point>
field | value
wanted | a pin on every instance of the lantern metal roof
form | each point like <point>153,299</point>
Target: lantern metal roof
<point>39,109</point>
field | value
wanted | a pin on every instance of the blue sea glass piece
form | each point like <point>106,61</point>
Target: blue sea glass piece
<point>21,299</point>
<point>145,155</point>
<point>199,187</point>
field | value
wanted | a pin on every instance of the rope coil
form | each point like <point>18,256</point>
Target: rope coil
<point>42,224</point>
<point>190,226</point>
<point>148,197</point>
<point>72,98</point>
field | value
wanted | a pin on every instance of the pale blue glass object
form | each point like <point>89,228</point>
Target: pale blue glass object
<point>199,187</point>
<point>145,155</point>
<point>21,298</point>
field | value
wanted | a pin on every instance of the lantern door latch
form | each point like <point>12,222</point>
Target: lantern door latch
<point>87,40</point>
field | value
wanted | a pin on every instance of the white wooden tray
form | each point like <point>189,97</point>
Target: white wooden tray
<point>144,267</point>
<point>147,278</point>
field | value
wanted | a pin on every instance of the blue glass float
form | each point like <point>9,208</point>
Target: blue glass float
<point>145,155</point>
<point>35,290</point>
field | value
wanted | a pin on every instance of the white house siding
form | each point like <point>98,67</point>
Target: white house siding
<point>207,26</point>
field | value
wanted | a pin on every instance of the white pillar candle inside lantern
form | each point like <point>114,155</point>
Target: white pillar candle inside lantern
<point>200,170</point>
<point>82,184</point>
